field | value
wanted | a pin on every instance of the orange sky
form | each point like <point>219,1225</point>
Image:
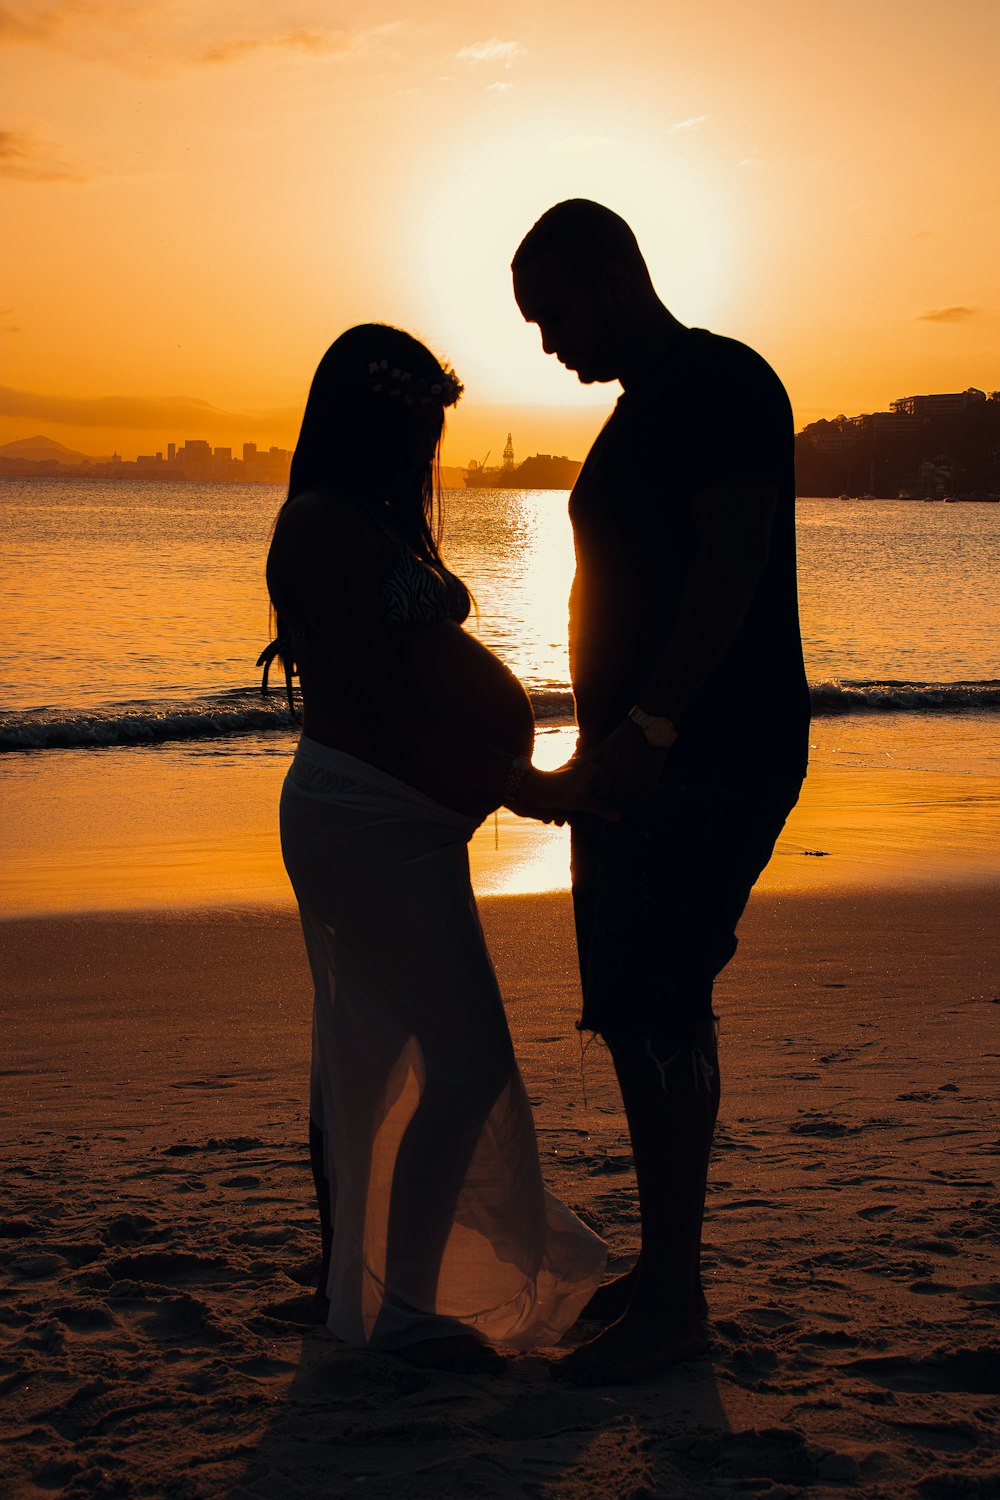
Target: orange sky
<point>198,198</point>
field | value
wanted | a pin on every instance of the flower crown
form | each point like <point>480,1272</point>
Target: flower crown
<point>415,390</point>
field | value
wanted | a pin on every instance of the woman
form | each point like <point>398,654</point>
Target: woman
<point>439,1239</point>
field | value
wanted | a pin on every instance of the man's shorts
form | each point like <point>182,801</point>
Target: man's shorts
<point>657,898</point>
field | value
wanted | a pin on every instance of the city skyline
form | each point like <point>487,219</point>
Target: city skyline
<point>252,184</point>
<point>200,458</point>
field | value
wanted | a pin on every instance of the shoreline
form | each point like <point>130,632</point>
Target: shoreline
<point>156,1215</point>
<point>127,829</point>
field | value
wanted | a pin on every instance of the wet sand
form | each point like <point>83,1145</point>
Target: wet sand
<point>156,1211</point>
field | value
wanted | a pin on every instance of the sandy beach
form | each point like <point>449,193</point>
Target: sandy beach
<point>157,1212</point>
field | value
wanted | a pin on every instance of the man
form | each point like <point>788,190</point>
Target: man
<point>691,695</point>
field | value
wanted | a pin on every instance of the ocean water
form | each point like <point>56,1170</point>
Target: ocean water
<point>130,709</point>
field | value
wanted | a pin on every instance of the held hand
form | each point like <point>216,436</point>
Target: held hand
<point>551,795</point>
<point>626,766</point>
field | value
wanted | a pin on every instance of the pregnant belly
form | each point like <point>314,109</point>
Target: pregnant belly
<point>470,687</point>
<point>453,681</point>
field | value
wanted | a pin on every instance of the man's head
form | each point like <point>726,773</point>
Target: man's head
<point>579,274</point>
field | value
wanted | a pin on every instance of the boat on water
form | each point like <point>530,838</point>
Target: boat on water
<point>543,471</point>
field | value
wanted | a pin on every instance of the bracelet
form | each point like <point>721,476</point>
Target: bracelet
<point>518,769</point>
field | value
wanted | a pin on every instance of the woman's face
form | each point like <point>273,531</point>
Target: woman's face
<point>427,428</point>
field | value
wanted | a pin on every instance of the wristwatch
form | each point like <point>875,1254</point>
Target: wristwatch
<point>659,732</point>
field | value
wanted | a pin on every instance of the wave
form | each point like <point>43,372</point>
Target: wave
<point>211,717</point>
<point>243,712</point>
<point>846,696</point>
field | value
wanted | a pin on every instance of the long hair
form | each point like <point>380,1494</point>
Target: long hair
<point>362,443</point>
<point>362,440</point>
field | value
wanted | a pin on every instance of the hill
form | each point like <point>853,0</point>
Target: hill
<point>38,448</point>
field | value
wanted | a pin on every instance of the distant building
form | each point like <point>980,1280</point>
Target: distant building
<point>946,404</point>
<point>886,422</point>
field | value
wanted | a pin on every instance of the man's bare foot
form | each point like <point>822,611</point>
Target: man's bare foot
<point>631,1349</point>
<point>461,1354</point>
<point>611,1300</point>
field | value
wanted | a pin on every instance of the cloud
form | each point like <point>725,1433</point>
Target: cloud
<point>499,88</point>
<point>151,37</point>
<point>493,51</point>
<point>26,159</point>
<point>16,26</point>
<point>315,42</point>
<point>948,315</point>
<point>170,412</point>
<point>27,21</point>
<point>691,123</point>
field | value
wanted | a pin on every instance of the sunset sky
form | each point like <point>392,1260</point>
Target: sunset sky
<point>198,197</point>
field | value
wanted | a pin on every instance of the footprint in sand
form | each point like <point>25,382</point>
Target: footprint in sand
<point>975,1371</point>
<point>182,1319</point>
<point>170,1265</point>
<point>769,1459</point>
<point>130,1229</point>
<point>813,1123</point>
<point>609,1164</point>
<point>944,1437</point>
<point>20,1229</point>
<point>202,1083</point>
<point>987,1292</point>
<point>227,1143</point>
<point>85,1317</point>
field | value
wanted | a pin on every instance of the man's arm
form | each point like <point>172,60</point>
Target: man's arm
<point>732,525</point>
<point>732,528</point>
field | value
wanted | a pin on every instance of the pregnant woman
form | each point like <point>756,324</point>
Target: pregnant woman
<point>439,1239</point>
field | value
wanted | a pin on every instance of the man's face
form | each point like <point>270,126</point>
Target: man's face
<point>574,313</point>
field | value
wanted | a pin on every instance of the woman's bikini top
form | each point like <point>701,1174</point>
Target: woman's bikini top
<point>412,597</point>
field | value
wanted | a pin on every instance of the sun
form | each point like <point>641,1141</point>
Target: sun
<point>467,227</point>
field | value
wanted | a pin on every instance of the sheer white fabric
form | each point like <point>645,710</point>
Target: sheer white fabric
<point>441,1221</point>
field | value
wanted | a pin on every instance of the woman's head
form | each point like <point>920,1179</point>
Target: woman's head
<point>371,431</point>
<point>374,418</point>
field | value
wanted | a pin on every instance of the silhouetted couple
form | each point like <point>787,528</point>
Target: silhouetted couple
<point>439,1238</point>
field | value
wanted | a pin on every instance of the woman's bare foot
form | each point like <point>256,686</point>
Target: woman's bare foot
<point>461,1354</point>
<point>636,1346</point>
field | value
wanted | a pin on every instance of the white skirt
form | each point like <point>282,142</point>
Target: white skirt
<point>441,1223</point>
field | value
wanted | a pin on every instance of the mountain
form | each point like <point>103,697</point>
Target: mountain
<point>43,447</point>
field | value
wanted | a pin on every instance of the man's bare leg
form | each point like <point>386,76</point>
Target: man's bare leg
<point>671,1098</point>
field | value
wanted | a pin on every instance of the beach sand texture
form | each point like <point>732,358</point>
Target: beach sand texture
<point>156,1214</point>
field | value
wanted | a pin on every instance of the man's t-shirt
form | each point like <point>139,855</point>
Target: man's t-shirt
<point>711,412</point>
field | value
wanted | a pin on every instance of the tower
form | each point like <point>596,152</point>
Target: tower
<point>508,454</point>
